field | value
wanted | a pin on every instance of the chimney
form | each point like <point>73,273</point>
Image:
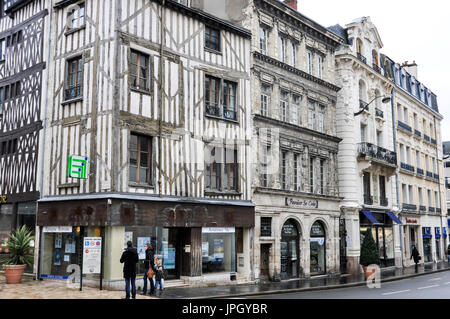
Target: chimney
<point>411,68</point>
<point>292,4</point>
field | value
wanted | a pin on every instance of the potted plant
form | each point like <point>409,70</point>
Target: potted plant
<point>19,255</point>
<point>369,252</point>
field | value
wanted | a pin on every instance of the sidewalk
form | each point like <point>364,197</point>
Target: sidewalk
<point>298,285</point>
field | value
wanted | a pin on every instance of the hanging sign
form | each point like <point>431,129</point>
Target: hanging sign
<point>92,253</point>
<point>77,167</point>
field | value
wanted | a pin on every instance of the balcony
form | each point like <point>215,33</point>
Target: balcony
<point>431,209</point>
<point>429,174</point>
<point>426,138</point>
<point>368,199</point>
<point>420,171</point>
<point>363,105</point>
<point>379,113</point>
<point>404,126</point>
<point>407,167</point>
<point>377,153</point>
<point>384,201</point>
<point>361,58</point>
<point>409,207</point>
<point>376,68</point>
<point>422,208</point>
<point>417,133</point>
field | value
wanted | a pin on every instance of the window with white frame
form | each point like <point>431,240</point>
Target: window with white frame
<point>281,49</point>
<point>308,62</point>
<point>293,53</point>
<point>265,151</point>
<point>76,16</point>
<point>265,99</point>
<point>297,172</point>
<point>319,66</point>
<point>263,32</point>
<point>295,109</point>
<point>311,116</point>
<point>283,170</point>
<point>284,105</point>
<point>311,174</point>
<point>322,176</point>
<point>321,119</point>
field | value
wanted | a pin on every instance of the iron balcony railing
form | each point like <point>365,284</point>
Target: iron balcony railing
<point>361,58</point>
<point>420,171</point>
<point>422,208</point>
<point>431,209</point>
<point>426,137</point>
<point>363,105</point>
<point>376,68</point>
<point>404,126</point>
<point>409,206</point>
<point>429,174</point>
<point>379,113</point>
<point>368,199</point>
<point>384,201</point>
<point>417,133</point>
<point>407,167</point>
<point>377,152</point>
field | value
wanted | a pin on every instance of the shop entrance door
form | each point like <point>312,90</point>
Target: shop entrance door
<point>264,267</point>
<point>289,250</point>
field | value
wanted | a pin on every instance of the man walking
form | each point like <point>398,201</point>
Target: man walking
<point>129,259</point>
<point>149,263</point>
<point>415,255</point>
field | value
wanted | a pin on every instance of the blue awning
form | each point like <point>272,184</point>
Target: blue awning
<point>369,215</point>
<point>448,221</point>
<point>445,232</point>
<point>394,218</point>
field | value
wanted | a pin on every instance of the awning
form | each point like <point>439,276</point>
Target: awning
<point>448,222</point>
<point>369,215</point>
<point>394,218</point>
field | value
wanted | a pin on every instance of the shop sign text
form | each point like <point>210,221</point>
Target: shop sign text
<point>411,221</point>
<point>302,203</point>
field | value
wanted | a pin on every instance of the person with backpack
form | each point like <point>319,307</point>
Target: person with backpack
<point>159,275</point>
<point>149,263</point>
<point>129,260</point>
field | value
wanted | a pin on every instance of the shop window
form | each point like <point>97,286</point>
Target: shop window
<point>140,150</point>
<point>26,215</point>
<point>266,226</point>
<point>212,39</point>
<point>218,250</point>
<point>74,78</point>
<point>6,222</point>
<point>139,71</point>
<point>317,249</point>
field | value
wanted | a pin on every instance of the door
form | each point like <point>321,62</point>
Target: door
<point>289,250</point>
<point>342,246</point>
<point>264,267</point>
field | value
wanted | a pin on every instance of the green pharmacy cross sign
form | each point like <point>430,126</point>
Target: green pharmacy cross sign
<point>77,167</point>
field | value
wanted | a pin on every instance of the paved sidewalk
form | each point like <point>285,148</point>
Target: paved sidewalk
<point>297,285</point>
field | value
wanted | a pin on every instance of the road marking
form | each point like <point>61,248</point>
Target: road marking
<point>428,287</point>
<point>435,279</point>
<point>395,292</point>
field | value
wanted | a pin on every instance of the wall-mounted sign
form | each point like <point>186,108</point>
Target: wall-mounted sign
<point>411,221</point>
<point>92,254</point>
<point>2,199</point>
<point>306,203</point>
<point>57,229</point>
<point>77,167</point>
<point>216,230</point>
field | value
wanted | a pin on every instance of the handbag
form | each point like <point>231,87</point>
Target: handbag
<point>420,258</point>
<point>150,273</point>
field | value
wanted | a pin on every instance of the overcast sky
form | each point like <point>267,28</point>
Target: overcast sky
<point>410,30</point>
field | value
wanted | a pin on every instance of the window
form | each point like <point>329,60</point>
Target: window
<point>140,159</point>
<point>311,116</point>
<point>2,99</point>
<point>76,16</point>
<point>139,71</point>
<point>297,172</point>
<point>229,100</point>
<point>263,32</point>
<point>283,170</point>
<point>292,54</point>
<point>281,49</point>
<point>221,169</point>
<point>319,67</point>
<point>214,105</point>
<point>284,105</point>
<point>366,184</point>
<point>416,124</point>
<point>309,62</point>
<point>411,195</point>
<point>266,226</point>
<point>430,204</point>
<point>380,138</point>
<point>418,159</point>
<point>383,199</point>
<point>212,39</point>
<point>405,115</point>
<point>74,78</point>
<point>420,196</point>
<point>295,109</point>
<point>2,49</point>
<point>265,99</point>
<point>436,199</point>
<point>9,147</point>
<point>266,149</point>
<point>311,174</point>
<point>322,177</point>
<point>321,119</point>
<point>363,133</point>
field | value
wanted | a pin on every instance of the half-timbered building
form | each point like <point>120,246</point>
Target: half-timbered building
<point>152,98</point>
<point>23,75</point>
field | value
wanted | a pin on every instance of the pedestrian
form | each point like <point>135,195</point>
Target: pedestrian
<point>159,275</point>
<point>415,255</point>
<point>149,263</point>
<point>129,259</point>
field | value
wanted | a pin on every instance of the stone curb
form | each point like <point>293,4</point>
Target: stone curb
<point>283,291</point>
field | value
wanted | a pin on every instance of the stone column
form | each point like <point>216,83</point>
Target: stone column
<point>351,215</point>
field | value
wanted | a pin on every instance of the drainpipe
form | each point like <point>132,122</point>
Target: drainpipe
<point>44,129</point>
<point>437,159</point>
<point>394,136</point>
<point>160,95</point>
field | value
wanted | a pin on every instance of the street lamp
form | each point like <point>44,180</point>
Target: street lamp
<point>386,99</point>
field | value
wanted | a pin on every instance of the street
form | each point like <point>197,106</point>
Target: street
<point>433,286</point>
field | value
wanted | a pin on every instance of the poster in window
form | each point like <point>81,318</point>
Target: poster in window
<point>128,237</point>
<point>141,242</point>
<point>70,246</point>
<point>164,249</point>
<point>218,248</point>
<point>205,249</point>
<point>58,240</point>
<point>169,262</point>
<point>57,259</point>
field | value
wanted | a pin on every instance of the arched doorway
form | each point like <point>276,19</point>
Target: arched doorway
<point>289,250</point>
<point>318,249</point>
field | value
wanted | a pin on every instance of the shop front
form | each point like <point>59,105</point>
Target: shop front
<point>437,234</point>
<point>381,225</point>
<point>289,250</point>
<point>318,249</point>
<point>192,237</point>
<point>427,244</point>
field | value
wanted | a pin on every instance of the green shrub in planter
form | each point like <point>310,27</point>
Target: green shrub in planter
<point>19,248</point>
<point>369,251</point>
